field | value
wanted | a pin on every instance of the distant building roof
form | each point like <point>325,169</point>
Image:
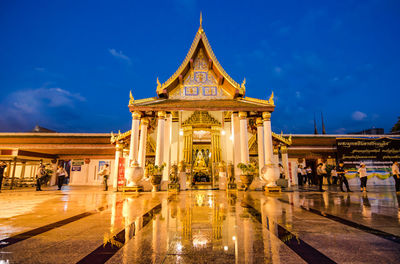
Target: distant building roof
<point>39,129</point>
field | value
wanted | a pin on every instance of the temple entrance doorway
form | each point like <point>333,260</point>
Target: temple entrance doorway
<point>201,167</point>
<point>202,150</point>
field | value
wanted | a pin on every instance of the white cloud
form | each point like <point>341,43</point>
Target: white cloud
<point>119,55</point>
<point>22,109</point>
<point>358,116</point>
<point>341,130</point>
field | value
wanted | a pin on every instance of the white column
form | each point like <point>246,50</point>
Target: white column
<point>118,154</point>
<point>268,138</point>
<point>229,143</point>
<point>269,155</point>
<point>260,143</point>
<point>167,144</point>
<point>236,144</point>
<point>134,146</point>
<point>285,164</point>
<point>174,140</point>
<point>143,142</point>
<point>160,138</point>
<point>244,138</point>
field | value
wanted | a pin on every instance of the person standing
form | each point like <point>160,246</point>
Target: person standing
<point>304,175</point>
<point>105,172</point>
<point>342,178</point>
<point>362,171</point>
<point>3,166</point>
<point>309,175</point>
<point>299,175</point>
<point>334,175</point>
<point>325,174</point>
<point>396,175</point>
<point>320,175</point>
<point>61,172</point>
<point>39,176</point>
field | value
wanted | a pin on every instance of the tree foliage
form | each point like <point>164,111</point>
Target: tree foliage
<point>396,127</point>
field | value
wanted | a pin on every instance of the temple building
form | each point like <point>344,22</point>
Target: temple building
<point>201,117</point>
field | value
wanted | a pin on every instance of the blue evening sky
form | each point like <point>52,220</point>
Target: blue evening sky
<point>69,65</point>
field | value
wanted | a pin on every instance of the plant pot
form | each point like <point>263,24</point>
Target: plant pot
<point>246,179</point>
<point>155,180</point>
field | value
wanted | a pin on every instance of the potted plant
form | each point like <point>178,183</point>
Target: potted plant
<point>155,173</point>
<point>248,171</point>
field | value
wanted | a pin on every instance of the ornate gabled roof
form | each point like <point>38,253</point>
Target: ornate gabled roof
<point>200,42</point>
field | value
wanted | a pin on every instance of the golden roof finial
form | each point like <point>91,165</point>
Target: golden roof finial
<point>243,83</point>
<point>201,20</point>
<point>158,83</point>
<point>271,98</point>
<point>131,100</point>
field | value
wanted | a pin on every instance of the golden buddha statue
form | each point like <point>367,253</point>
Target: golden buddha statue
<point>200,163</point>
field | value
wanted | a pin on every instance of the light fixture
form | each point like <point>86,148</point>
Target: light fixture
<point>226,248</point>
<point>180,132</point>
<point>233,238</point>
<point>223,132</point>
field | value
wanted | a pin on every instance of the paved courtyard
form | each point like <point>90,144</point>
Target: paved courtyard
<point>87,225</point>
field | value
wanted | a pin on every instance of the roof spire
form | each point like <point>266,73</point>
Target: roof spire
<point>315,126</point>
<point>201,20</point>
<point>323,125</point>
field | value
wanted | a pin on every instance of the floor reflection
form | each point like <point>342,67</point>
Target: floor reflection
<point>206,227</point>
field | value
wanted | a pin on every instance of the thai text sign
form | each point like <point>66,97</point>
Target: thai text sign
<point>78,162</point>
<point>360,149</point>
<point>377,153</point>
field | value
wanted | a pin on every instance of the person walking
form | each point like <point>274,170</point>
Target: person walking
<point>105,172</point>
<point>342,178</point>
<point>39,176</point>
<point>320,175</point>
<point>299,175</point>
<point>362,171</point>
<point>396,175</point>
<point>61,172</point>
<point>3,166</point>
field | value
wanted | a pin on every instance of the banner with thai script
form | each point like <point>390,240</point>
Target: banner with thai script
<point>121,173</point>
<point>378,154</point>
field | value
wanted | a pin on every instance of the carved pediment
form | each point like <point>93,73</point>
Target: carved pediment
<point>200,118</point>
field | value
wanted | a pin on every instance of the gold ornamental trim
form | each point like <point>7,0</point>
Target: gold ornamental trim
<point>201,118</point>
<point>287,141</point>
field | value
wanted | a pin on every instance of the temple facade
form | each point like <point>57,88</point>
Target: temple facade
<point>202,118</point>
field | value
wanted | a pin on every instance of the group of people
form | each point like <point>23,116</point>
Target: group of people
<point>43,174</point>
<point>338,174</point>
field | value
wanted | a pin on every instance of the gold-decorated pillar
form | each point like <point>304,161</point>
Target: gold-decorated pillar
<point>216,144</point>
<point>187,144</point>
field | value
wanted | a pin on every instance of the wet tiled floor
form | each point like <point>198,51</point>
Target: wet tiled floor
<point>87,225</point>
